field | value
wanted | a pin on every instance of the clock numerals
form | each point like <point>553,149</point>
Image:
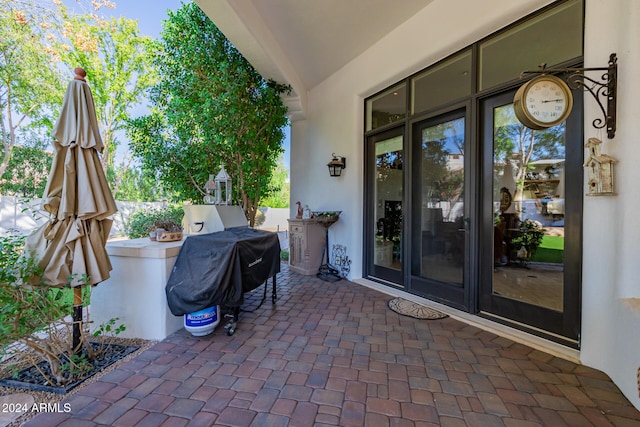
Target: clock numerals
<point>543,102</point>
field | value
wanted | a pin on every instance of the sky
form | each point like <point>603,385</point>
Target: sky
<point>150,14</point>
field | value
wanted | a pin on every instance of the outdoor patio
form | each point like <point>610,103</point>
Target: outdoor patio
<point>334,354</point>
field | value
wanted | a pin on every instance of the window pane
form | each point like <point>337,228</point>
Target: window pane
<point>388,197</point>
<point>528,208</point>
<point>442,205</point>
<point>442,83</point>
<point>550,38</point>
<point>388,107</point>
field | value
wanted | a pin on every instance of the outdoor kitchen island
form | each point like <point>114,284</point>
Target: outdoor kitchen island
<point>135,291</point>
<point>230,258</point>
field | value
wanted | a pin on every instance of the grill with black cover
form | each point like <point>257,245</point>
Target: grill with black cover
<point>219,268</point>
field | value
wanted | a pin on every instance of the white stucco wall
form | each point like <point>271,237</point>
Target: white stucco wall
<point>336,107</point>
<point>610,284</point>
<point>611,290</point>
<point>24,215</point>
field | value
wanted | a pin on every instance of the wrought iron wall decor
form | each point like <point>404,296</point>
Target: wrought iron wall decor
<point>606,87</point>
<point>341,260</point>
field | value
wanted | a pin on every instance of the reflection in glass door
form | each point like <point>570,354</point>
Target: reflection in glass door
<point>386,207</point>
<point>531,221</point>
<point>438,206</point>
<point>528,209</point>
<point>441,230</point>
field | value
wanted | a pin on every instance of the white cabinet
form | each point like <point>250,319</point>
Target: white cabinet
<point>306,241</point>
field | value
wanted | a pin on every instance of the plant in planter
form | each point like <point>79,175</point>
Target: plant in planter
<point>326,218</point>
<point>143,222</point>
<point>35,327</point>
<point>166,230</point>
<point>528,240</point>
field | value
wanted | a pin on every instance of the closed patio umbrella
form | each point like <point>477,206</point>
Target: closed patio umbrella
<point>71,246</point>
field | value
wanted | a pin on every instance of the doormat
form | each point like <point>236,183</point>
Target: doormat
<point>415,310</point>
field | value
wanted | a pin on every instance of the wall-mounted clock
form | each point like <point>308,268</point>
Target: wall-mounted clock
<point>543,102</point>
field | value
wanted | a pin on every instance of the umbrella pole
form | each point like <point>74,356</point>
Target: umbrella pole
<point>77,318</point>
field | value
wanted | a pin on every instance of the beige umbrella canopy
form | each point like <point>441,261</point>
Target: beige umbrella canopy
<point>71,246</point>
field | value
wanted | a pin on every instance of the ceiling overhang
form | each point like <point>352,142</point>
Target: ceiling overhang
<point>303,42</point>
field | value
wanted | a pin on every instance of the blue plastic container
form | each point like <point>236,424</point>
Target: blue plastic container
<point>202,322</point>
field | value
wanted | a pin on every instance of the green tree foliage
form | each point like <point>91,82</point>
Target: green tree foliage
<point>439,180</point>
<point>279,188</point>
<point>11,246</point>
<point>117,60</point>
<point>30,83</point>
<point>515,142</point>
<point>143,221</point>
<point>136,186</point>
<point>33,164</point>
<point>38,38</point>
<point>211,107</point>
<point>164,155</point>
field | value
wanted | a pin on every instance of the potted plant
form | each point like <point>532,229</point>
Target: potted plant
<point>146,221</point>
<point>529,237</point>
<point>326,218</point>
<point>167,230</point>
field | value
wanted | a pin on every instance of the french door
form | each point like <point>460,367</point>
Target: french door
<point>530,229</point>
<point>486,218</point>
<point>440,210</point>
<point>385,206</point>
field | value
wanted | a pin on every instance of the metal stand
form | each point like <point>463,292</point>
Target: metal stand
<point>327,272</point>
<point>232,317</point>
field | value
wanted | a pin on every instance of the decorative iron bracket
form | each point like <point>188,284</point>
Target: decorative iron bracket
<point>606,88</point>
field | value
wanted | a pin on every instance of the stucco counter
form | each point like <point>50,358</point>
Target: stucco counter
<point>135,292</point>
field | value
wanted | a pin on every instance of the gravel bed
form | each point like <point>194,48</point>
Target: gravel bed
<point>50,398</point>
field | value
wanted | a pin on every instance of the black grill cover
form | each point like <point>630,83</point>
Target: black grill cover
<point>218,268</point>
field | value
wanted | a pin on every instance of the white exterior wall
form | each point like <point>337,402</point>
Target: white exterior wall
<point>611,293</point>
<point>24,215</point>
<point>335,119</point>
<point>610,284</point>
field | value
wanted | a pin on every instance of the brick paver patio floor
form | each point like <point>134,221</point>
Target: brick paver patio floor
<point>334,354</point>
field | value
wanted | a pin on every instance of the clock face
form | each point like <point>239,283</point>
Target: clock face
<point>543,102</point>
<point>546,101</point>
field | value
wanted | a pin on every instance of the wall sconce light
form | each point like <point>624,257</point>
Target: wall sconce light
<point>336,165</point>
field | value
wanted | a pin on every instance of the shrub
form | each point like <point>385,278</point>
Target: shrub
<point>143,221</point>
<point>11,246</point>
<point>35,326</point>
<point>34,319</point>
<point>529,238</point>
<point>25,309</point>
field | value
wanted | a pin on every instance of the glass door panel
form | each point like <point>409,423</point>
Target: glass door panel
<point>384,212</point>
<point>442,230</point>
<point>439,238</point>
<point>388,210</point>
<point>528,209</point>
<point>531,221</point>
